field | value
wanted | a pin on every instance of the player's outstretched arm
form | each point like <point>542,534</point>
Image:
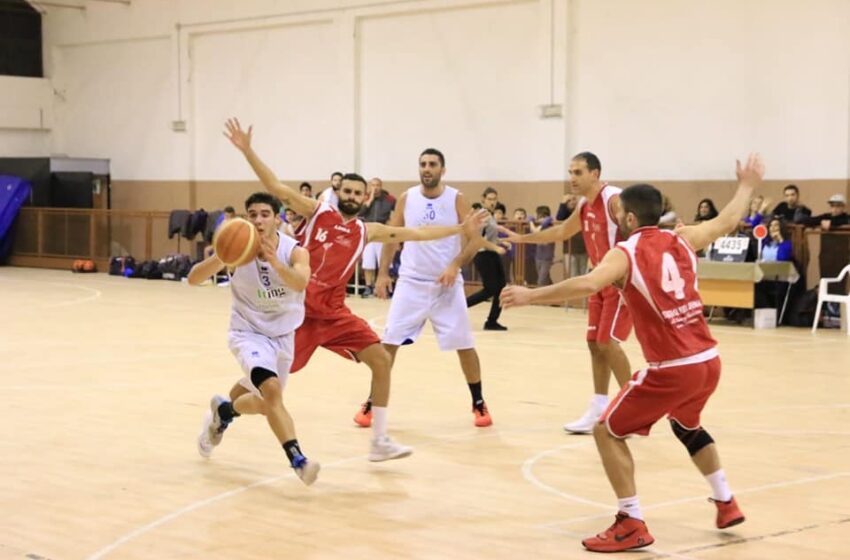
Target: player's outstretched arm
<point>750,176</point>
<point>472,226</point>
<point>612,269</point>
<point>292,198</point>
<point>561,232</point>
<point>203,270</point>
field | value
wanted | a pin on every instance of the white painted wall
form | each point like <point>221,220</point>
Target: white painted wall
<point>26,116</point>
<point>660,89</point>
<point>673,89</point>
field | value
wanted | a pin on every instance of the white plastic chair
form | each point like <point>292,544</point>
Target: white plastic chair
<point>825,296</point>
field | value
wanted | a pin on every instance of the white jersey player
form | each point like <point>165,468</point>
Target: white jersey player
<point>430,286</point>
<point>268,305</point>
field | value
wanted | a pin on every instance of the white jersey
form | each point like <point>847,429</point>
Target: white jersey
<point>329,195</point>
<point>262,303</point>
<point>426,260</point>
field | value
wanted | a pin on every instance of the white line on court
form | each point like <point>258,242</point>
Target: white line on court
<point>528,474</point>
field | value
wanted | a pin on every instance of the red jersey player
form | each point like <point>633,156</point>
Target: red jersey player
<point>608,320</point>
<point>335,239</point>
<point>656,271</point>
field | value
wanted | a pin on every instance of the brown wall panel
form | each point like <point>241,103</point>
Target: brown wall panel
<point>685,195</point>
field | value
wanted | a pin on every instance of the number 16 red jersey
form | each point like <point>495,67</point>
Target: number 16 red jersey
<point>661,292</point>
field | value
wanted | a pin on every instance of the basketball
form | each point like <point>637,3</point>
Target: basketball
<point>236,242</point>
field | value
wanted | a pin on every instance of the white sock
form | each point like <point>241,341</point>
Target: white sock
<point>599,402</point>
<point>719,486</point>
<point>631,506</point>
<point>379,421</point>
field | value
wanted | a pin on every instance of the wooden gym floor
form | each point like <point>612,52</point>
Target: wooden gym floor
<point>105,380</point>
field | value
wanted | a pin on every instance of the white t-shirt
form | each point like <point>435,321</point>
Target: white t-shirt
<point>262,303</point>
<point>426,260</point>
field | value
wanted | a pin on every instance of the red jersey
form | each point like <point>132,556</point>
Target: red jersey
<point>598,226</point>
<point>334,246</point>
<point>661,293</point>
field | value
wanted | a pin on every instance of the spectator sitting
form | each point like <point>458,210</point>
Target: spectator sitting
<point>791,210</point>
<point>520,215</point>
<point>545,253</point>
<point>836,217</point>
<point>755,215</point>
<point>499,213</point>
<point>477,206</point>
<point>776,246</point>
<point>306,189</point>
<point>705,211</point>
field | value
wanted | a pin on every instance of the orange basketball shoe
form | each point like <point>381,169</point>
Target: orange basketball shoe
<point>625,534</point>
<point>482,415</point>
<point>728,513</point>
<point>363,418</point>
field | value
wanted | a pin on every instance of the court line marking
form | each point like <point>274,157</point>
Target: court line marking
<point>555,525</point>
<point>103,552</point>
<point>528,474</point>
<point>744,540</point>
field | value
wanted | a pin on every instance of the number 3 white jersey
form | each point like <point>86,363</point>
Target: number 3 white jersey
<point>426,260</point>
<point>661,292</point>
<point>262,303</point>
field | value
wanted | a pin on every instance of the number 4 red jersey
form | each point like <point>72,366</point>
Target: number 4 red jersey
<point>661,292</point>
<point>334,246</point>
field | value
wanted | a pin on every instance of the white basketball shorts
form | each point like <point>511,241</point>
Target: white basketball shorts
<point>416,301</point>
<point>253,350</point>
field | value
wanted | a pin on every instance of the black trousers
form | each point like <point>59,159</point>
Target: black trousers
<point>489,265</point>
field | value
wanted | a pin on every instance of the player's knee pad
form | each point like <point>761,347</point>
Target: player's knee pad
<point>260,375</point>
<point>693,440</point>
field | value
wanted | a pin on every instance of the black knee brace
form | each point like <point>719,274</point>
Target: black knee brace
<point>259,376</point>
<point>693,440</point>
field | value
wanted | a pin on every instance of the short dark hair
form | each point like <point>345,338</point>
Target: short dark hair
<point>264,198</point>
<point>791,188</point>
<point>477,206</point>
<point>354,177</point>
<point>434,152</point>
<point>489,190</point>
<point>337,173</point>
<point>644,201</point>
<point>230,209</point>
<point>305,184</point>
<point>500,206</point>
<point>593,163</point>
<point>544,211</point>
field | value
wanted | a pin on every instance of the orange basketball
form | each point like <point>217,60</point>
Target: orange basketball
<point>236,242</point>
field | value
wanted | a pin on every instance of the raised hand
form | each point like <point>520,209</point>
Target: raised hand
<point>752,172</point>
<point>238,137</point>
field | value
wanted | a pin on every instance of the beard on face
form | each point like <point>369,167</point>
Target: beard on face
<point>349,207</point>
<point>429,182</point>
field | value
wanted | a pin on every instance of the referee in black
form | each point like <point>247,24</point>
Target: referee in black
<point>489,265</point>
